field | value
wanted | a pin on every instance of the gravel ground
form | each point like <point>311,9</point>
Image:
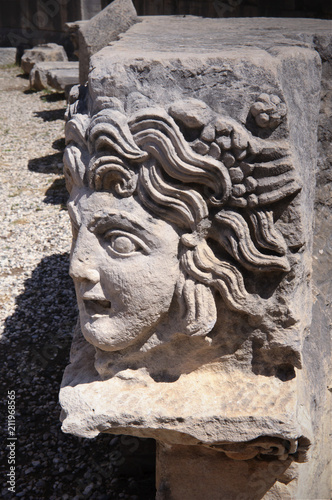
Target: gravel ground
<point>38,313</point>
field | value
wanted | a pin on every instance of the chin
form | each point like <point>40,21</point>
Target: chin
<point>97,333</point>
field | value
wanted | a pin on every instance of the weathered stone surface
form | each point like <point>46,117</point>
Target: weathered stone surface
<point>183,469</point>
<point>192,225</point>
<point>315,476</point>
<point>42,53</point>
<point>57,75</point>
<point>60,79</point>
<point>7,55</point>
<point>73,29</point>
<point>103,29</point>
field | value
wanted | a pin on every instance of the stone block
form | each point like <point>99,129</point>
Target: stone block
<point>103,29</point>
<point>190,163</point>
<point>56,75</point>
<point>42,53</point>
<point>90,8</point>
<point>62,78</point>
<point>7,55</point>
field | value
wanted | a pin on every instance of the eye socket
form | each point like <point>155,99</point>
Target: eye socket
<point>124,244</point>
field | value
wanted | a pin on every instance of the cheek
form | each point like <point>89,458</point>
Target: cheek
<point>142,284</point>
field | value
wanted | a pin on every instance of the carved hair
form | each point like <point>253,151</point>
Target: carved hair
<point>221,211</point>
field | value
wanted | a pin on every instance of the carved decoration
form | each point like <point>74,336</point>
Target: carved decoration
<point>268,111</point>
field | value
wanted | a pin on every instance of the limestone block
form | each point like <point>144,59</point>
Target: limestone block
<point>7,55</point>
<point>42,53</point>
<point>103,29</point>
<point>61,78</point>
<point>57,75</point>
<point>190,163</point>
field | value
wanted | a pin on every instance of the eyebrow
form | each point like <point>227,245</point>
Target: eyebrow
<point>118,217</point>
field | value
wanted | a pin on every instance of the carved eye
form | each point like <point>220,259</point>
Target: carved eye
<point>123,244</point>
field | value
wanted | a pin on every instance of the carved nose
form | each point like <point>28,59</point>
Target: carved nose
<point>82,269</point>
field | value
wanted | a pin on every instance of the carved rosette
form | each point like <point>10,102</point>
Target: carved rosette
<point>268,111</point>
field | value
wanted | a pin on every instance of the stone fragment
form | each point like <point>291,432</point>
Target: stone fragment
<point>56,75</point>
<point>62,78</point>
<point>102,29</point>
<point>42,53</point>
<point>7,55</point>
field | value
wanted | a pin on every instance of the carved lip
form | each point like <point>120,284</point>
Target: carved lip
<point>100,307</point>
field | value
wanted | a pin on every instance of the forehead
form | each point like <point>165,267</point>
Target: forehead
<point>86,206</point>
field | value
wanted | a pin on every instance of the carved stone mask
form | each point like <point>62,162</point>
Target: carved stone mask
<point>155,219</point>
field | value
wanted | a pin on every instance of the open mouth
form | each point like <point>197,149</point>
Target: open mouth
<point>97,307</point>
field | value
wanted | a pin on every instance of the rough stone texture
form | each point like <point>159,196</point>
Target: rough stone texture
<point>57,75</point>
<point>61,79</point>
<point>206,350</point>
<point>42,53</point>
<point>73,29</point>
<point>102,29</point>
<point>7,55</point>
<point>318,343</point>
<point>179,467</point>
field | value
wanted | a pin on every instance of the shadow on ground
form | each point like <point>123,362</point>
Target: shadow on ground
<point>50,164</point>
<point>57,193</point>
<point>51,115</point>
<point>53,97</point>
<point>49,463</point>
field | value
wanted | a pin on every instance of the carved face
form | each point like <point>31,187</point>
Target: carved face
<point>126,261</point>
<point>125,266</point>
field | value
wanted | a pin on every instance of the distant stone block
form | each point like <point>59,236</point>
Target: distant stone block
<point>103,29</point>
<point>7,55</point>
<point>56,75</point>
<point>42,53</point>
